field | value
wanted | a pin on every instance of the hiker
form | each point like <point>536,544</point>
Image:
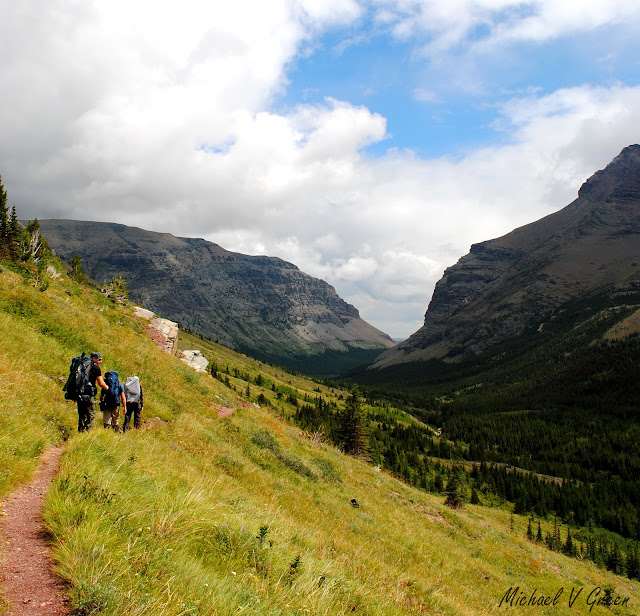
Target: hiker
<point>85,400</point>
<point>110,400</point>
<point>133,395</point>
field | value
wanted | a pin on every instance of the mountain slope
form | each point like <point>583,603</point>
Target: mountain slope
<point>260,305</point>
<point>196,514</point>
<point>506,285</point>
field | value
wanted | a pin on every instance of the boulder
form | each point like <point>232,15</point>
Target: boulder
<point>195,359</point>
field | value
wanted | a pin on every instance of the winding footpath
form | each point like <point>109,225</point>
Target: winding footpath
<point>28,585</point>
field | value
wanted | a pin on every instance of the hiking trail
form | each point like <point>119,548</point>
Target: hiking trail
<point>27,583</point>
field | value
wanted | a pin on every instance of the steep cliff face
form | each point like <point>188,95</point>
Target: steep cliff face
<point>506,285</point>
<point>260,305</point>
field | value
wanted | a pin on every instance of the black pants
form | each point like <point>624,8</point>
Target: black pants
<point>86,412</point>
<point>132,407</point>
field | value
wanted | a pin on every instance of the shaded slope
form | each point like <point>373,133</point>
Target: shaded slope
<point>260,305</point>
<point>506,285</point>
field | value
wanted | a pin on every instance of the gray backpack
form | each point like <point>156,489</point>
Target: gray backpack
<point>132,389</point>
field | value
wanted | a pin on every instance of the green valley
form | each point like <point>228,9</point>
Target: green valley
<point>198,513</point>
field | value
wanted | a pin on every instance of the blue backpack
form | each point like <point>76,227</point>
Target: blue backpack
<point>78,388</point>
<point>112,395</point>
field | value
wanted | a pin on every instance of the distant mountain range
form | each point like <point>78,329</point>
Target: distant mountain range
<point>503,288</point>
<point>262,306</point>
<point>516,283</point>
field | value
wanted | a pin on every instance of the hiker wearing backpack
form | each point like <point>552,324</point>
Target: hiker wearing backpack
<point>110,400</point>
<point>80,387</point>
<point>133,395</point>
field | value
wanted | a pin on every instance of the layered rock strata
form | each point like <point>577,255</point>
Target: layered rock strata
<point>506,285</point>
<point>262,306</point>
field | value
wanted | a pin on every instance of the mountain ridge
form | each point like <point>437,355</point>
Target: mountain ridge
<point>260,305</point>
<point>503,286</point>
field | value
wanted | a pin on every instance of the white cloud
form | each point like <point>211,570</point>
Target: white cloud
<point>552,19</point>
<point>138,113</point>
<point>470,23</point>
<point>332,12</point>
<point>356,269</point>
<point>385,229</point>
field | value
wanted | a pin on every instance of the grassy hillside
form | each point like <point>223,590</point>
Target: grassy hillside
<point>560,400</point>
<point>197,514</point>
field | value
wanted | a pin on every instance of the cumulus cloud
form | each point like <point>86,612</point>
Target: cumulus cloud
<point>138,113</point>
<point>383,230</point>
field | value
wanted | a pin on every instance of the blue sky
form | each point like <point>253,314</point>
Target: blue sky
<point>426,112</point>
<point>368,142</point>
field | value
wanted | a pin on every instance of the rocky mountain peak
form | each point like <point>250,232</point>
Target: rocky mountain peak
<point>504,286</point>
<point>618,181</point>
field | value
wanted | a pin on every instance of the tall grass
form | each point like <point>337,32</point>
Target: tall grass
<point>194,514</point>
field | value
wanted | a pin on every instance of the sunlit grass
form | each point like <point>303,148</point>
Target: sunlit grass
<point>194,514</point>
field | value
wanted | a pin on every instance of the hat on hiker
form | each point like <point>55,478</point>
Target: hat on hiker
<point>96,355</point>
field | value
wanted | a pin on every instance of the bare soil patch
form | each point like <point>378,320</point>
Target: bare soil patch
<point>28,583</point>
<point>223,411</point>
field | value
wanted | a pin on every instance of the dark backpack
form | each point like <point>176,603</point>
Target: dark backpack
<point>78,387</point>
<point>112,395</point>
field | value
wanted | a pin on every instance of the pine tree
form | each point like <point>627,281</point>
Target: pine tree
<point>4,223</point>
<point>13,236</point>
<point>77,273</point>
<point>633,563</point>
<point>614,559</point>
<point>568,547</point>
<point>549,540</point>
<point>352,431</point>
<point>539,533</point>
<point>520,505</point>
<point>475,499</point>
<point>438,482</point>
<point>453,492</point>
<point>35,248</point>
<point>529,531</point>
<point>556,539</point>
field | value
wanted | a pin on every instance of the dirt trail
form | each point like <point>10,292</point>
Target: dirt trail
<point>224,411</point>
<point>28,584</point>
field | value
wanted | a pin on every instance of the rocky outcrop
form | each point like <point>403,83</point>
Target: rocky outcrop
<point>262,306</point>
<point>506,285</point>
<point>168,332</point>
<point>195,359</point>
<point>162,331</point>
<point>143,313</point>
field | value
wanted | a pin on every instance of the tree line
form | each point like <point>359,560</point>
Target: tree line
<point>22,247</point>
<point>608,503</point>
